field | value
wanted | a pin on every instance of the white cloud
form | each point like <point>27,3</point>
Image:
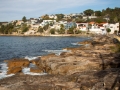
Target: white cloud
<point>27,7</point>
<point>31,5</point>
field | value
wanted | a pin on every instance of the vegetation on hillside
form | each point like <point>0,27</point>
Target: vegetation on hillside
<point>110,15</point>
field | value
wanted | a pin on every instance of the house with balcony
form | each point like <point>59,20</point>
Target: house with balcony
<point>45,22</point>
<point>33,20</point>
<point>70,25</point>
<point>98,28</point>
<point>113,27</point>
<point>82,26</point>
<point>56,26</point>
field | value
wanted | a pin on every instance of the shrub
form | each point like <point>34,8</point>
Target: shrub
<point>108,30</point>
<point>52,31</point>
<point>116,49</point>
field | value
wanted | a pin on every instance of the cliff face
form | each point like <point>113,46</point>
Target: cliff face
<point>93,66</point>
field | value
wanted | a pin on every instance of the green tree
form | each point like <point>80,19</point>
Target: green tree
<point>108,30</point>
<point>62,29</point>
<point>59,16</point>
<point>40,29</point>
<point>46,17</point>
<point>2,29</point>
<point>24,19</point>
<point>52,31</point>
<point>46,27</point>
<point>98,13</point>
<point>71,30</point>
<point>88,12</point>
<point>24,28</point>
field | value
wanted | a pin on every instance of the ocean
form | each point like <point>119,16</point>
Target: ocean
<point>31,47</point>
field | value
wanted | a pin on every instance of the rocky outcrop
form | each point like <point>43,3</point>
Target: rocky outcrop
<point>36,70</point>
<point>92,66</point>
<point>14,70</point>
<point>16,65</point>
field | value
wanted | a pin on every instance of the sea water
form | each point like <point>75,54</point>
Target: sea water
<point>31,48</point>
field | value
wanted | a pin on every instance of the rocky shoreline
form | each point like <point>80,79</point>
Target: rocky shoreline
<point>92,66</point>
<point>39,35</point>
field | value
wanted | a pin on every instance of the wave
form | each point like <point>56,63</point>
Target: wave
<point>3,71</point>
<point>76,44</point>
<point>27,71</point>
<point>57,52</point>
<point>31,58</point>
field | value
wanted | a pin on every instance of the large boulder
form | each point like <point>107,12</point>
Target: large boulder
<point>18,63</point>
<point>14,70</point>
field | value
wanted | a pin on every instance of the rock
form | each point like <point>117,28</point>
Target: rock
<point>36,70</point>
<point>35,62</point>
<point>115,41</point>
<point>47,56</point>
<point>69,68</point>
<point>72,49</point>
<point>14,70</point>
<point>18,63</point>
<point>85,42</point>
<point>64,54</point>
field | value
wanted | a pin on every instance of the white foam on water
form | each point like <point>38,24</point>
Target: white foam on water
<point>76,44</point>
<point>27,71</point>
<point>57,52</point>
<point>3,71</point>
<point>31,58</point>
<point>32,65</point>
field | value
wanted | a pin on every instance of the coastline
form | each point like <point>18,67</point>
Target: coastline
<point>90,62</point>
<point>59,35</point>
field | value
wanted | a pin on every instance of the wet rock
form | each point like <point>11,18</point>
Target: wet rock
<point>18,63</point>
<point>14,70</point>
<point>36,70</point>
<point>35,62</point>
<point>91,66</point>
<point>85,42</point>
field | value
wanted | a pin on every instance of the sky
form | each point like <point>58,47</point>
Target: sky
<point>16,9</point>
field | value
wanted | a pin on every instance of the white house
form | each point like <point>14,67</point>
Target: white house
<point>62,22</point>
<point>33,20</point>
<point>114,27</point>
<point>98,28</point>
<point>53,16</point>
<point>42,24</point>
<point>45,22</point>
<point>90,17</point>
<point>82,26</point>
<point>56,26</point>
<point>67,16</point>
<point>49,21</point>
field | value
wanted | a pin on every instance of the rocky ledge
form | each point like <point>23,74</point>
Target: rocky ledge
<point>92,66</point>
